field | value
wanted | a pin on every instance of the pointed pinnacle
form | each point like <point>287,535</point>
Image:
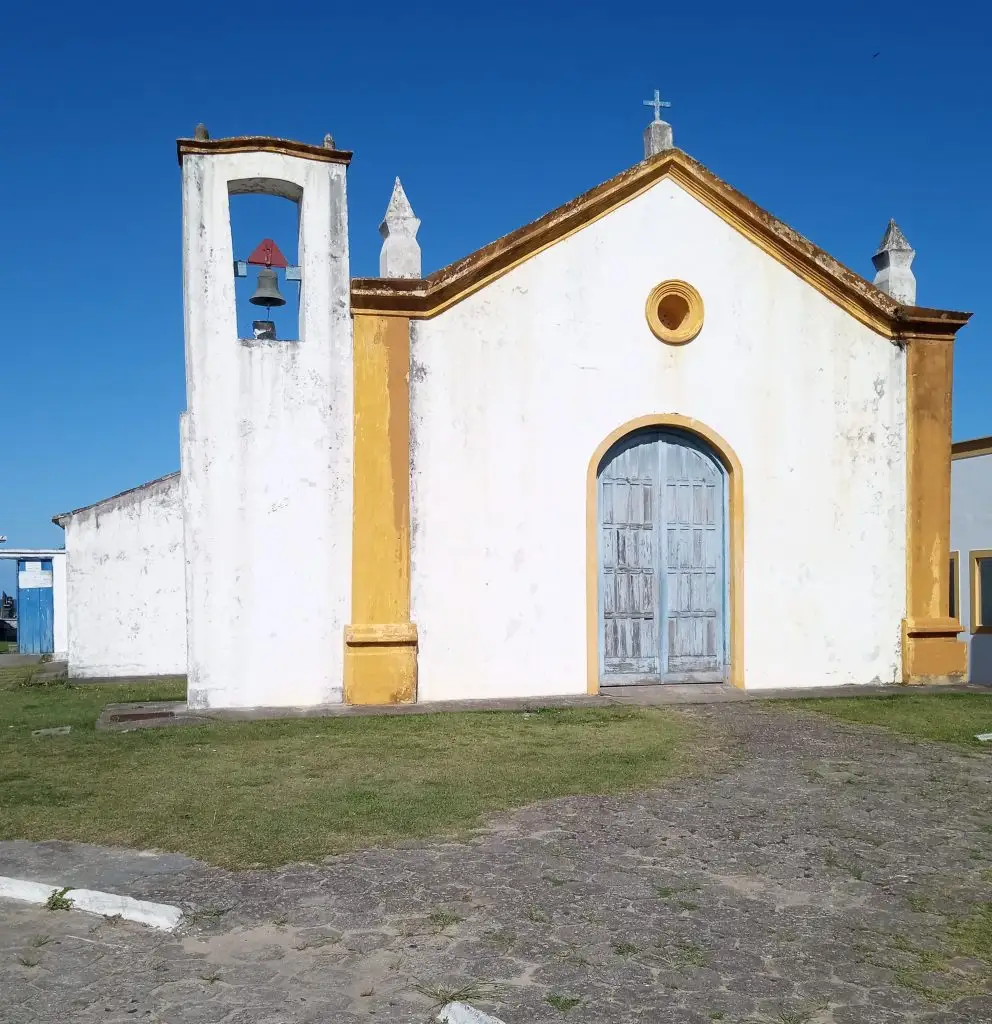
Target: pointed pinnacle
<point>201,132</point>
<point>893,240</point>
<point>399,217</point>
<point>399,206</point>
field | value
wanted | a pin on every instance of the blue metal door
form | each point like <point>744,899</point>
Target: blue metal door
<point>662,581</point>
<point>35,607</point>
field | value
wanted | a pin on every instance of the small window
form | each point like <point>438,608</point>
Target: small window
<point>981,591</point>
<point>953,603</point>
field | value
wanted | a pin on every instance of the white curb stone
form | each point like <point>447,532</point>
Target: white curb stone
<point>156,915</point>
<point>462,1013</point>
<point>29,892</point>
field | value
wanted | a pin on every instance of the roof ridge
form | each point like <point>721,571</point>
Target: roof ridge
<point>426,297</point>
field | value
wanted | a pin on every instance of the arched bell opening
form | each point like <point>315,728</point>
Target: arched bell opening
<point>265,236</point>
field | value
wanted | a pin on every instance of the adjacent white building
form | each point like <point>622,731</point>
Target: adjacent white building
<point>125,583</point>
<point>655,436</point>
<point>971,551</point>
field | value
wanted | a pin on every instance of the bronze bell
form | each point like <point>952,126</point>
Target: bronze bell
<point>267,292</point>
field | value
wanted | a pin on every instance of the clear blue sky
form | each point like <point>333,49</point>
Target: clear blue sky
<point>491,115</point>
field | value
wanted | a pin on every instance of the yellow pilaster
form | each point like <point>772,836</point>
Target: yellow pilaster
<point>931,651</point>
<point>381,643</point>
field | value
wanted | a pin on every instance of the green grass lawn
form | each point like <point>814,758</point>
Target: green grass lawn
<point>273,792</point>
<point>8,646</point>
<point>946,717</point>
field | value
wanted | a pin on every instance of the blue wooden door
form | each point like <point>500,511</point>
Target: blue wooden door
<point>662,588</point>
<point>35,607</point>
<point>629,492</point>
<point>694,587</point>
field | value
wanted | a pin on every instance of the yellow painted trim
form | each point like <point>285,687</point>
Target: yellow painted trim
<point>381,633</point>
<point>431,296</point>
<point>735,495</point>
<point>691,323</point>
<point>381,642</point>
<point>977,626</point>
<point>838,284</point>
<point>955,585</point>
<point>429,307</point>
<point>931,651</point>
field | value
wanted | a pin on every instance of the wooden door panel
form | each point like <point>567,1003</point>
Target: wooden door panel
<point>662,573</point>
<point>628,561</point>
<point>693,589</point>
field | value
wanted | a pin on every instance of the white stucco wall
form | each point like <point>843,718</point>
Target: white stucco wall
<point>266,449</point>
<point>126,585</point>
<point>515,387</point>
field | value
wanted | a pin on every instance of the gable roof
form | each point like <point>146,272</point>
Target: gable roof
<point>115,499</point>
<point>426,297</point>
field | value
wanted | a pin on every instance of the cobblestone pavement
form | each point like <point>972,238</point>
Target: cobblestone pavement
<point>814,878</point>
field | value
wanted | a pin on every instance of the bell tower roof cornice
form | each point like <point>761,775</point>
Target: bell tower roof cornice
<point>260,144</point>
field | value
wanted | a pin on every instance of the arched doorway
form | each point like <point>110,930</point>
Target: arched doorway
<point>662,559</point>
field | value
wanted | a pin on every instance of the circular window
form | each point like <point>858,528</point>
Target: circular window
<point>675,312</point>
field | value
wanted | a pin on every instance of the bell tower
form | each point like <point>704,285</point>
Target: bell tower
<point>266,438</point>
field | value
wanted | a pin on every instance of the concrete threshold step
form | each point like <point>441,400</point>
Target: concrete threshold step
<point>155,714</point>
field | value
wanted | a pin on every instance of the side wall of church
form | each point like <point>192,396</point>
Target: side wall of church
<point>126,585</point>
<point>266,448</point>
<point>513,389</point>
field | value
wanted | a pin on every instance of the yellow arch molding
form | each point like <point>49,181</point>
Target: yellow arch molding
<point>735,493</point>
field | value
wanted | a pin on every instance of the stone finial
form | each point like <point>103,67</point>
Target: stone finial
<point>893,265</point>
<point>329,141</point>
<point>657,138</point>
<point>201,132</point>
<point>658,135</point>
<point>400,256</point>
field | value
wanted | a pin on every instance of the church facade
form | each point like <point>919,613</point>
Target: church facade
<point>653,437</point>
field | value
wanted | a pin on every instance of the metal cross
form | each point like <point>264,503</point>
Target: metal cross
<point>657,103</point>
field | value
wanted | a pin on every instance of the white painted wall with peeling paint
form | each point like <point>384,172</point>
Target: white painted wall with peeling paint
<point>126,585</point>
<point>266,446</point>
<point>514,388</point>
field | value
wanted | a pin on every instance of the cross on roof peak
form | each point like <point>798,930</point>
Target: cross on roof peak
<point>657,103</point>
